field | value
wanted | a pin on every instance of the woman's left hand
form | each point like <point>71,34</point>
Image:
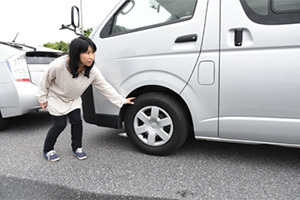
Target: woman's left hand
<point>130,100</point>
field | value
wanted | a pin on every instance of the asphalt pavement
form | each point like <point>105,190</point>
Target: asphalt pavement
<point>116,170</point>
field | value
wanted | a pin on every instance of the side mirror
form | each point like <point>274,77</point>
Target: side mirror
<point>74,21</point>
<point>75,17</point>
<point>128,7</point>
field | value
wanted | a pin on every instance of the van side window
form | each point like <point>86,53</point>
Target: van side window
<point>272,12</point>
<point>137,15</point>
<point>286,6</point>
<point>260,7</point>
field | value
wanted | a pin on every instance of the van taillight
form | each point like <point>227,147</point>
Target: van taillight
<point>18,67</point>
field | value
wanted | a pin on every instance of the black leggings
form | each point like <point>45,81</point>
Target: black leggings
<point>59,124</point>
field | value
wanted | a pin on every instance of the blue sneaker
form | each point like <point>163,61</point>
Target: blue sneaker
<point>51,156</point>
<point>80,154</point>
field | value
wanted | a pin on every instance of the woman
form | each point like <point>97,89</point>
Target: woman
<point>60,92</point>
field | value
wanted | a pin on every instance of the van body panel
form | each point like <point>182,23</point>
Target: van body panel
<point>274,130</point>
<point>202,99</point>
<point>236,76</point>
<point>259,79</point>
<point>153,50</point>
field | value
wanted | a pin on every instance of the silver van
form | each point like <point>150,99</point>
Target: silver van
<point>222,70</point>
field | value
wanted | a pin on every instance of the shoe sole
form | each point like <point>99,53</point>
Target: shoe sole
<point>80,158</point>
<point>53,160</point>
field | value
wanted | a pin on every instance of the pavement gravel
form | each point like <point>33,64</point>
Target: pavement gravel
<point>117,170</point>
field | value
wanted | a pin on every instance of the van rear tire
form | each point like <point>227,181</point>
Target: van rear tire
<point>156,124</point>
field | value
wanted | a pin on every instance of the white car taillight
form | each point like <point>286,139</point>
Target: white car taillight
<point>18,67</point>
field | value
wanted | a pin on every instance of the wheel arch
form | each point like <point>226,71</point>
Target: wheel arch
<point>156,88</point>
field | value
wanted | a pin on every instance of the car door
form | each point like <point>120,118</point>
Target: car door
<point>149,43</point>
<point>260,70</point>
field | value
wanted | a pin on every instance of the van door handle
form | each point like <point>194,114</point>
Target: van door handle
<point>238,37</point>
<point>187,38</point>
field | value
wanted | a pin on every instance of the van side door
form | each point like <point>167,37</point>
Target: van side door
<point>149,43</point>
<point>260,71</point>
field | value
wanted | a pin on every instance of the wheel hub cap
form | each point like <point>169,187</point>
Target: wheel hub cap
<point>153,126</point>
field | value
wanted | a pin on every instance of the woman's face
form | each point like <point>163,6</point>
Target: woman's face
<point>87,58</point>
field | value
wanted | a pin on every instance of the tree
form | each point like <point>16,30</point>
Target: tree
<point>63,46</point>
<point>87,32</point>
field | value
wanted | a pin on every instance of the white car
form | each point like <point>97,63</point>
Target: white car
<point>38,59</point>
<point>19,80</point>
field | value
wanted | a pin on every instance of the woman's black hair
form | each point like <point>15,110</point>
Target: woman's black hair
<point>77,46</point>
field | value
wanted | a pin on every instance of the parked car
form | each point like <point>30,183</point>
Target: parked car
<point>19,80</point>
<point>38,59</point>
<point>227,72</point>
